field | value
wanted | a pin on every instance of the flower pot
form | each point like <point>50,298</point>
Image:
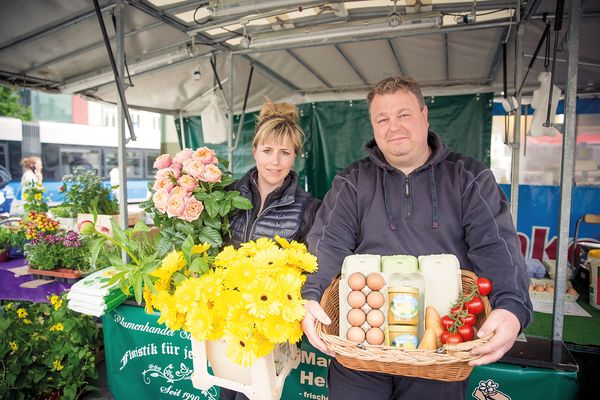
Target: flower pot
<point>62,273</point>
<point>55,394</point>
<point>5,255</point>
<point>69,224</point>
<point>262,381</point>
<point>102,221</point>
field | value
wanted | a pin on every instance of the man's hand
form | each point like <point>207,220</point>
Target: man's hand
<point>505,326</point>
<point>314,312</point>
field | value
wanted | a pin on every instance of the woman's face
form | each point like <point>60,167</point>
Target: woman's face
<point>274,162</point>
<point>38,166</point>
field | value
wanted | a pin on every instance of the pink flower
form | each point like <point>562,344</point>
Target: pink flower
<point>183,155</point>
<point>206,156</point>
<point>193,209</point>
<point>188,182</point>
<point>180,191</point>
<point>175,206</point>
<point>160,199</point>
<point>212,173</point>
<point>172,170</point>
<point>163,161</point>
<point>193,167</point>
<point>163,183</point>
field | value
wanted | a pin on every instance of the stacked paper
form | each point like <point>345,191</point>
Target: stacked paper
<point>93,296</point>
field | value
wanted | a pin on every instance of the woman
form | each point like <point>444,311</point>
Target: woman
<point>281,207</point>
<point>32,172</point>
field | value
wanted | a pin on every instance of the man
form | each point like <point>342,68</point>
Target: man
<point>413,195</point>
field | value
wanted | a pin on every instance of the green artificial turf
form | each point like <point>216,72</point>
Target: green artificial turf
<point>578,330</point>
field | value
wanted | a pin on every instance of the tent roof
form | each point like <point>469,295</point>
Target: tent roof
<point>322,50</point>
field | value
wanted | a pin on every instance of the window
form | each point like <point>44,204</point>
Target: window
<point>4,155</point>
<point>134,167</point>
<point>88,158</point>
<point>150,158</point>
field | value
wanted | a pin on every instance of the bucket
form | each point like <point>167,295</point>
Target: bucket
<point>594,263</point>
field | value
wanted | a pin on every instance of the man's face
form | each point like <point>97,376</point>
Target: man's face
<point>400,129</point>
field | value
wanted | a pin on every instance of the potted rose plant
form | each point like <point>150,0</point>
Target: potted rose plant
<point>46,350</point>
<point>88,196</point>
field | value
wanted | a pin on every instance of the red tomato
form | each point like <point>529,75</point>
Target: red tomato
<point>474,306</point>
<point>444,337</point>
<point>466,332</point>
<point>454,338</point>
<point>455,310</point>
<point>447,322</point>
<point>484,286</point>
<point>469,320</point>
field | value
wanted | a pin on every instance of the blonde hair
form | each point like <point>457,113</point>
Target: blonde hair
<point>29,162</point>
<point>276,122</point>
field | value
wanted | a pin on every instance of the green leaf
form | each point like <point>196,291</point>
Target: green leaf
<point>199,265</point>
<point>213,223</point>
<point>164,245</point>
<point>212,236</point>
<point>178,278</point>
<point>218,196</point>
<point>200,195</point>
<point>185,227</point>
<point>138,288</point>
<point>148,282</point>
<point>119,234</point>
<point>224,208</point>
<point>115,261</point>
<point>141,226</point>
<point>95,248</point>
<point>186,247</point>
<point>242,203</point>
<point>211,207</point>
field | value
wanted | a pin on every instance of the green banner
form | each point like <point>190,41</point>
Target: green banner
<point>145,360</point>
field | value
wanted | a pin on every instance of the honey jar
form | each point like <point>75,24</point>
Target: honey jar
<point>403,336</point>
<point>403,305</point>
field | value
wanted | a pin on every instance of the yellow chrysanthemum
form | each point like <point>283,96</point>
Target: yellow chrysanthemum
<point>249,249</point>
<point>148,300</point>
<point>57,327</point>
<point>168,311</point>
<point>27,321</point>
<point>53,299</point>
<point>13,346</point>
<point>270,258</point>
<point>288,288</point>
<point>199,323</point>
<point>290,245</point>
<point>226,256</point>
<point>58,304</point>
<point>22,313</point>
<point>200,248</point>
<point>305,261</point>
<point>245,345</point>
<point>241,274</point>
<point>57,365</point>
<point>8,306</point>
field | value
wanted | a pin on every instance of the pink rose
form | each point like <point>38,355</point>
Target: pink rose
<point>212,173</point>
<point>188,182</point>
<point>206,156</point>
<point>165,172</point>
<point>162,161</point>
<point>163,184</point>
<point>193,167</point>
<point>183,155</point>
<point>193,209</point>
<point>160,199</point>
<point>180,191</point>
<point>175,206</point>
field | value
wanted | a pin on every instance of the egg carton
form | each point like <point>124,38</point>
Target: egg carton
<point>549,296</point>
<point>365,265</point>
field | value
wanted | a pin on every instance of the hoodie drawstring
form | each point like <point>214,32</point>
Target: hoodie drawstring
<point>434,200</point>
<point>388,207</point>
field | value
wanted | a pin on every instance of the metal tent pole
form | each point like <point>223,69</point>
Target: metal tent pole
<point>121,154</point>
<point>566,177</point>
<point>516,142</point>
<point>231,108</point>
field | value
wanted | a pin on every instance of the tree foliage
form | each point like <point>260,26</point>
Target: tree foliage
<point>10,105</point>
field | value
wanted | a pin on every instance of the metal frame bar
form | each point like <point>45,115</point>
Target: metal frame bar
<point>269,73</point>
<point>309,68</point>
<point>356,71</point>
<point>395,53</point>
<point>496,60</point>
<point>446,57</point>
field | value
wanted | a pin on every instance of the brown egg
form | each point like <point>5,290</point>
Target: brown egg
<point>356,281</point>
<point>538,288</point>
<point>356,334</point>
<point>375,318</point>
<point>549,289</point>
<point>375,299</point>
<point>375,336</point>
<point>570,291</point>
<point>356,317</point>
<point>356,299</point>
<point>375,281</point>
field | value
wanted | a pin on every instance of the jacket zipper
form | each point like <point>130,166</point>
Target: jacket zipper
<point>247,238</point>
<point>407,204</point>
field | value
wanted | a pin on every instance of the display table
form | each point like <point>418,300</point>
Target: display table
<point>145,360</point>
<point>26,287</point>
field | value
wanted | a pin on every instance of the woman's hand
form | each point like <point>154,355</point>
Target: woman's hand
<point>314,313</point>
<point>506,327</point>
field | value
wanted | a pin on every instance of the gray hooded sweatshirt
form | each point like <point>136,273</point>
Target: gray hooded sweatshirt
<point>449,205</point>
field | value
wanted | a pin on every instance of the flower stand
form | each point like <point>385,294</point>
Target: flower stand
<point>262,381</point>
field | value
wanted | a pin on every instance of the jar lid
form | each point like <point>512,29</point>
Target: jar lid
<point>403,289</point>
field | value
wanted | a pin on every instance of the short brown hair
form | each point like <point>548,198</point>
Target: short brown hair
<point>394,83</point>
<point>276,122</point>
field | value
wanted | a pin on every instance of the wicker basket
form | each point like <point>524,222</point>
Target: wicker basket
<point>449,363</point>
